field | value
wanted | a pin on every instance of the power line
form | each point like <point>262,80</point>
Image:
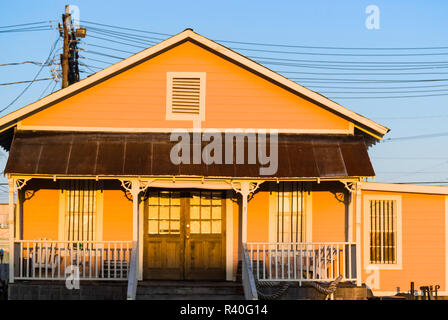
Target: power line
<point>422,136</point>
<point>125,28</point>
<point>351,62</point>
<point>393,97</point>
<point>25,24</point>
<point>109,48</point>
<point>410,158</point>
<point>103,54</point>
<point>376,88</point>
<point>412,118</point>
<point>132,35</point>
<point>422,182</point>
<point>26,29</point>
<point>344,54</point>
<point>326,80</point>
<point>96,60</point>
<point>35,77</point>
<point>276,45</point>
<point>20,63</point>
<point>25,81</point>
<point>376,92</point>
<point>119,42</point>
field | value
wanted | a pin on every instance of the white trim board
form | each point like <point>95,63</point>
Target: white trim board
<point>10,119</point>
<point>348,131</point>
<point>408,188</point>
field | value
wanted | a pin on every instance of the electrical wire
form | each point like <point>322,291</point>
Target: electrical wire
<point>25,24</point>
<point>25,81</point>
<point>20,63</point>
<point>35,77</point>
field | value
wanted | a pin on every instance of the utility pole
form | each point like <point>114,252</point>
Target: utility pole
<point>65,49</point>
<point>69,56</point>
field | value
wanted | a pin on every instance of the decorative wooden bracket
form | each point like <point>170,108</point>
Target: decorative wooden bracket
<point>135,186</point>
<point>20,183</point>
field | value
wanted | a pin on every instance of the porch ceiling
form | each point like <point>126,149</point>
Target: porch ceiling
<point>148,154</point>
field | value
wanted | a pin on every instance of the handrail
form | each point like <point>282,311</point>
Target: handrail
<point>50,259</point>
<point>249,287</point>
<point>132,279</point>
<point>302,261</point>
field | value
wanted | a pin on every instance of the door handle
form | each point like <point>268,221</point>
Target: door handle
<point>187,235</point>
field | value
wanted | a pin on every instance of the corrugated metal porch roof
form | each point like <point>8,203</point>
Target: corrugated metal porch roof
<point>148,154</point>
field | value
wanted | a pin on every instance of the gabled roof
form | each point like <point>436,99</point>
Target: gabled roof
<point>374,129</point>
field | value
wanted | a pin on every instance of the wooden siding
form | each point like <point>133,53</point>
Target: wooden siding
<point>41,215</point>
<point>117,216</point>
<point>328,217</point>
<point>136,99</point>
<point>423,234</point>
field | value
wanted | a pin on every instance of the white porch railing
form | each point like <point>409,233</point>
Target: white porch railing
<point>48,260</point>
<point>303,261</point>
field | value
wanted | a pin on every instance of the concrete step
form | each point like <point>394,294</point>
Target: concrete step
<point>190,290</point>
<point>188,297</point>
<point>194,290</point>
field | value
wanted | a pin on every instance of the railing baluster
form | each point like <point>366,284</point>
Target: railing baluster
<point>295,261</point>
<point>264,262</point>
<point>301,264</point>
<point>282,263</point>
<point>350,261</point>
<point>28,260</point>
<point>325,262</point>
<point>21,260</point>
<point>121,260</point>
<point>115,260</point>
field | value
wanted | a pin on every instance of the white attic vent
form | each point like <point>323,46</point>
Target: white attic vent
<point>185,96</point>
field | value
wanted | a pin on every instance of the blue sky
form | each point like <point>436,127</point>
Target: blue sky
<point>310,23</point>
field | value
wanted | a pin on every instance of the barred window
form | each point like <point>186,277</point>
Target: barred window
<point>80,210</point>
<point>289,217</point>
<point>383,231</point>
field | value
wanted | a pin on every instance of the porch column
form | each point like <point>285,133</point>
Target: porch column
<point>135,186</point>
<point>245,188</point>
<point>11,185</point>
<point>358,233</point>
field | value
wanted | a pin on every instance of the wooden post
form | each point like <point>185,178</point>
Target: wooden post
<point>358,233</point>
<point>135,191</point>
<point>11,182</point>
<point>135,186</point>
<point>245,187</point>
<point>18,213</point>
<point>66,48</point>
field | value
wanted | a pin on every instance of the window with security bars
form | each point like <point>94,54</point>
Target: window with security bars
<point>185,96</point>
<point>383,231</point>
<point>164,212</point>
<point>206,212</point>
<point>80,210</point>
<point>290,217</point>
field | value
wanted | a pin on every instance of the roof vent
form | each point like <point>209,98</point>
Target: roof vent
<point>185,96</point>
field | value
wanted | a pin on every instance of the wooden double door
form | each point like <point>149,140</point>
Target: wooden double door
<point>184,235</point>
